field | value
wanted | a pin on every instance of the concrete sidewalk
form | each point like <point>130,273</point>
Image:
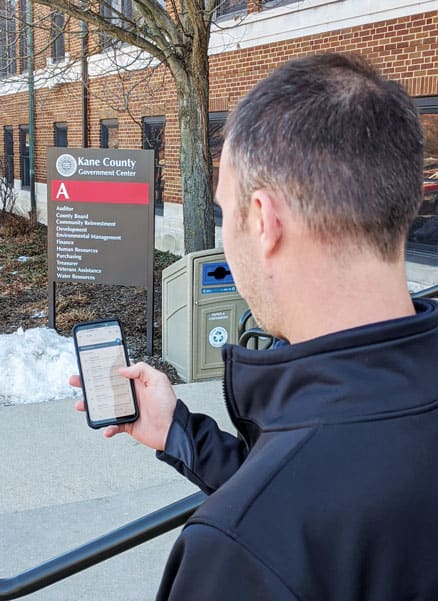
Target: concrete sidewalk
<point>63,484</point>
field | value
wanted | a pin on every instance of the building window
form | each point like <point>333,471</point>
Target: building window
<point>24,156</point>
<point>109,133</point>
<point>229,7</point>
<point>106,13</point>
<point>60,134</point>
<point>116,12</point>
<point>274,3</point>
<point>8,58</point>
<point>309,4</point>
<point>9,154</point>
<point>422,244</point>
<point>57,35</point>
<point>126,9</point>
<point>153,139</point>
<point>24,47</point>
<point>216,122</point>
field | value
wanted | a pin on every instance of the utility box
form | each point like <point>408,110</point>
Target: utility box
<point>201,312</point>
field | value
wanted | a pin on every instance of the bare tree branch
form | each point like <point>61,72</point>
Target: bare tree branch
<point>155,14</point>
<point>89,13</point>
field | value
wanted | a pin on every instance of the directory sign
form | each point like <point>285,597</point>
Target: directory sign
<point>100,216</point>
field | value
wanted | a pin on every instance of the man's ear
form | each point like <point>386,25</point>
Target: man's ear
<point>266,219</point>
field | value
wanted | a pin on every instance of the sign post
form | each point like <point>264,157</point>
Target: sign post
<point>100,214</point>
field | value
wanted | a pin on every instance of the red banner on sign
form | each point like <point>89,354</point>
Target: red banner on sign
<point>135,193</point>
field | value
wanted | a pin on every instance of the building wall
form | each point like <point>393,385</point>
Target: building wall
<point>403,43</point>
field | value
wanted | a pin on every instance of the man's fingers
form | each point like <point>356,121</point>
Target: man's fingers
<point>80,405</point>
<point>140,371</point>
<point>143,372</point>
<point>75,381</point>
<point>111,431</point>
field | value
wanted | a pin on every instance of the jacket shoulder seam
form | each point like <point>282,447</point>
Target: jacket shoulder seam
<point>288,457</point>
<point>231,535</point>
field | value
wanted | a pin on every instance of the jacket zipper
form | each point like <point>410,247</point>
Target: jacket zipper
<point>229,404</point>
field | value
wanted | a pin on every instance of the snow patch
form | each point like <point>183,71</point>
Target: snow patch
<point>35,365</point>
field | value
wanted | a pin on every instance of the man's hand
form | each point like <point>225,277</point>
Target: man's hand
<point>156,404</point>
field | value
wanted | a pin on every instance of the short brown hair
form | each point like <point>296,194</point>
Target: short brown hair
<point>340,143</point>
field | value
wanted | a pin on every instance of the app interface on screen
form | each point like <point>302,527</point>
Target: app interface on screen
<point>108,393</point>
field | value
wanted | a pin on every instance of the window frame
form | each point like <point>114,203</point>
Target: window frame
<point>126,9</point>
<point>215,117</point>
<point>105,126</point>
<point>105,40</point>
<point>224,11</point>
<point>159,182</point>
<point>8,51</point>
<point>24,157</point>
<point>110,10</point>
<point>58,127</point>
<point>269,4</point>
<point>8,141</point>
<point>419,252</point>
<point>23,40</point>
<point>57,37</point>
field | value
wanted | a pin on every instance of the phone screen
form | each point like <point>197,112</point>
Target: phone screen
<point>101,352</point>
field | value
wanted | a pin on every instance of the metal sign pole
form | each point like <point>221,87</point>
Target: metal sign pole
<point>150,315</point>
<point>52,305</point>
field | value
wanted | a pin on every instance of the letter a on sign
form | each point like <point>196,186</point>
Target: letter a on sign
<point>62,191</point>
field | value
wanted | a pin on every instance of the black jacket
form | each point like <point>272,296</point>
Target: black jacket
<point>338,497</point>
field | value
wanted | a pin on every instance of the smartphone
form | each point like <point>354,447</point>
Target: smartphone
<point>101,350</point>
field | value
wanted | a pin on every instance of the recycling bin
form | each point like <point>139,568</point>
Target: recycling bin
<point>200,313</point>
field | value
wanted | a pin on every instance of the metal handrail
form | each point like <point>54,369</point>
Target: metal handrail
<point>246,334</point>
<point>255,334</point>
<point>99,549</point>
<point>426,292</point>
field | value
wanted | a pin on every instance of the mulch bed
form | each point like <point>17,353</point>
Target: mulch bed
<point>24,293</point>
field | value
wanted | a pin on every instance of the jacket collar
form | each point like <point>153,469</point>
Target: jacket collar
<point>367,372</point>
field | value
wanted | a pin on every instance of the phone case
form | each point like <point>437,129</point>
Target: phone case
<point>95,424</point>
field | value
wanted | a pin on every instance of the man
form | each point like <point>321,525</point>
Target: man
<point>336,495</point>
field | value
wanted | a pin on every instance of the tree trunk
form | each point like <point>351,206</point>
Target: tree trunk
<point>195,157</point>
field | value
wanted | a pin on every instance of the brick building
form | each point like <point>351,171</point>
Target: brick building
<point>127,109</point>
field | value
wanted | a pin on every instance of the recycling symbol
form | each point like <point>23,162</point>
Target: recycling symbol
<point>218,336</point>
